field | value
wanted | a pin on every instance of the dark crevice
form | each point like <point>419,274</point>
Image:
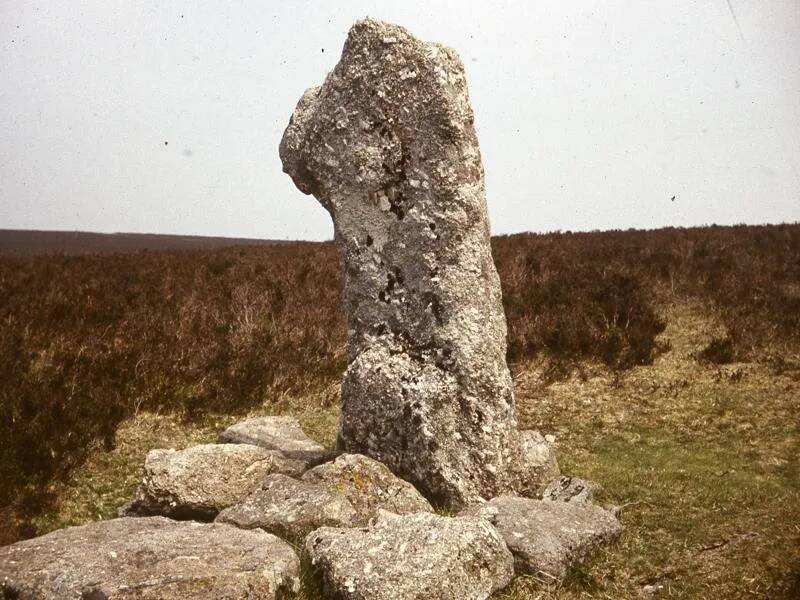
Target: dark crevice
<point>306,182</point>
<point>425,353</point>
<point>432,302</point>
<point>444,360</point>
<point>394,279</point>
<point>396,195</point>
<point>395,206</point>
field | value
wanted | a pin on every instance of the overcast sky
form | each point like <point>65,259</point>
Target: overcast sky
<point>165,116</point>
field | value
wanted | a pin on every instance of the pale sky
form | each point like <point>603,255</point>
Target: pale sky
<point>590,115</point>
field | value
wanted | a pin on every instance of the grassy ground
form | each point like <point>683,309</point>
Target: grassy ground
<point>703,459</point>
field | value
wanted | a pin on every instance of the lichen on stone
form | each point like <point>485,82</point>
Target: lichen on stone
<point>387,145</point>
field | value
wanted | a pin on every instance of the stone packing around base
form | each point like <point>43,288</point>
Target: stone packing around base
<point>387,145</point>
<point>549,537</point>
<point>571,489</point>
<point>282,433</point>
<point>198,482</point>
<point>410,557</point>
<point>291,509</point>
<point>369,487</point>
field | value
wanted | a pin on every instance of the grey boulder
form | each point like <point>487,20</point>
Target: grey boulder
<point>369,486</point>
<point>277,433</point>
<point>149,558</point>
<point>290,509</point>
<point>198,482</point>
<point>548,538</point>
<point>412,557</point>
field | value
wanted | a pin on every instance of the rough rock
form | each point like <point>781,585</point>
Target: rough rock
<point>277,433</point>
<point>290,509</point>
<point>548,537</point>
<point>536,464</point>
<point>387,145</point>
<point>149,558</point>
<point>369,486</point>
<point>198,482</point>
<point>412,557</point>
<point>570,489</point>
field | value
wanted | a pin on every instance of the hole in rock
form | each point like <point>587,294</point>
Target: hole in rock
<point>397,210</point>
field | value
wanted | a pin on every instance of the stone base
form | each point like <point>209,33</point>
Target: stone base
<point>370,533</point>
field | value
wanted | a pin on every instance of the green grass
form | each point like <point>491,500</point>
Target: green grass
<point>703,459</point>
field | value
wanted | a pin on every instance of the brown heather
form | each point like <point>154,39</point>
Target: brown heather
<point>88,341</point>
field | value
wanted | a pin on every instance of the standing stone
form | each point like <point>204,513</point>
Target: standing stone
<point>388,146</point>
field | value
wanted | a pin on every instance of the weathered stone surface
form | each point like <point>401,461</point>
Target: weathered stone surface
<point>548,537</point>
<point>149,558</point>
<point>570,489</point>
<point>534,466</point>
<point>412,557</point>
<point>277,433</point>
<point>198,482</point>
<point>369,486</point>
<point>388,147</point>
<point>290,509</point>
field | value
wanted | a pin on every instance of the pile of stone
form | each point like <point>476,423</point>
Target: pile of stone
<point>388,146</point>
<point>239,514</point>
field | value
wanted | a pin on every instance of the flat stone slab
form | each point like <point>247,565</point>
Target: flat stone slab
<point>548,537</point>
<point>409,557</point>
<point>198,482</point>
<point>277,433</point>
<point>290,509</point>
<point>369,486</point>
<point>149,558</point>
